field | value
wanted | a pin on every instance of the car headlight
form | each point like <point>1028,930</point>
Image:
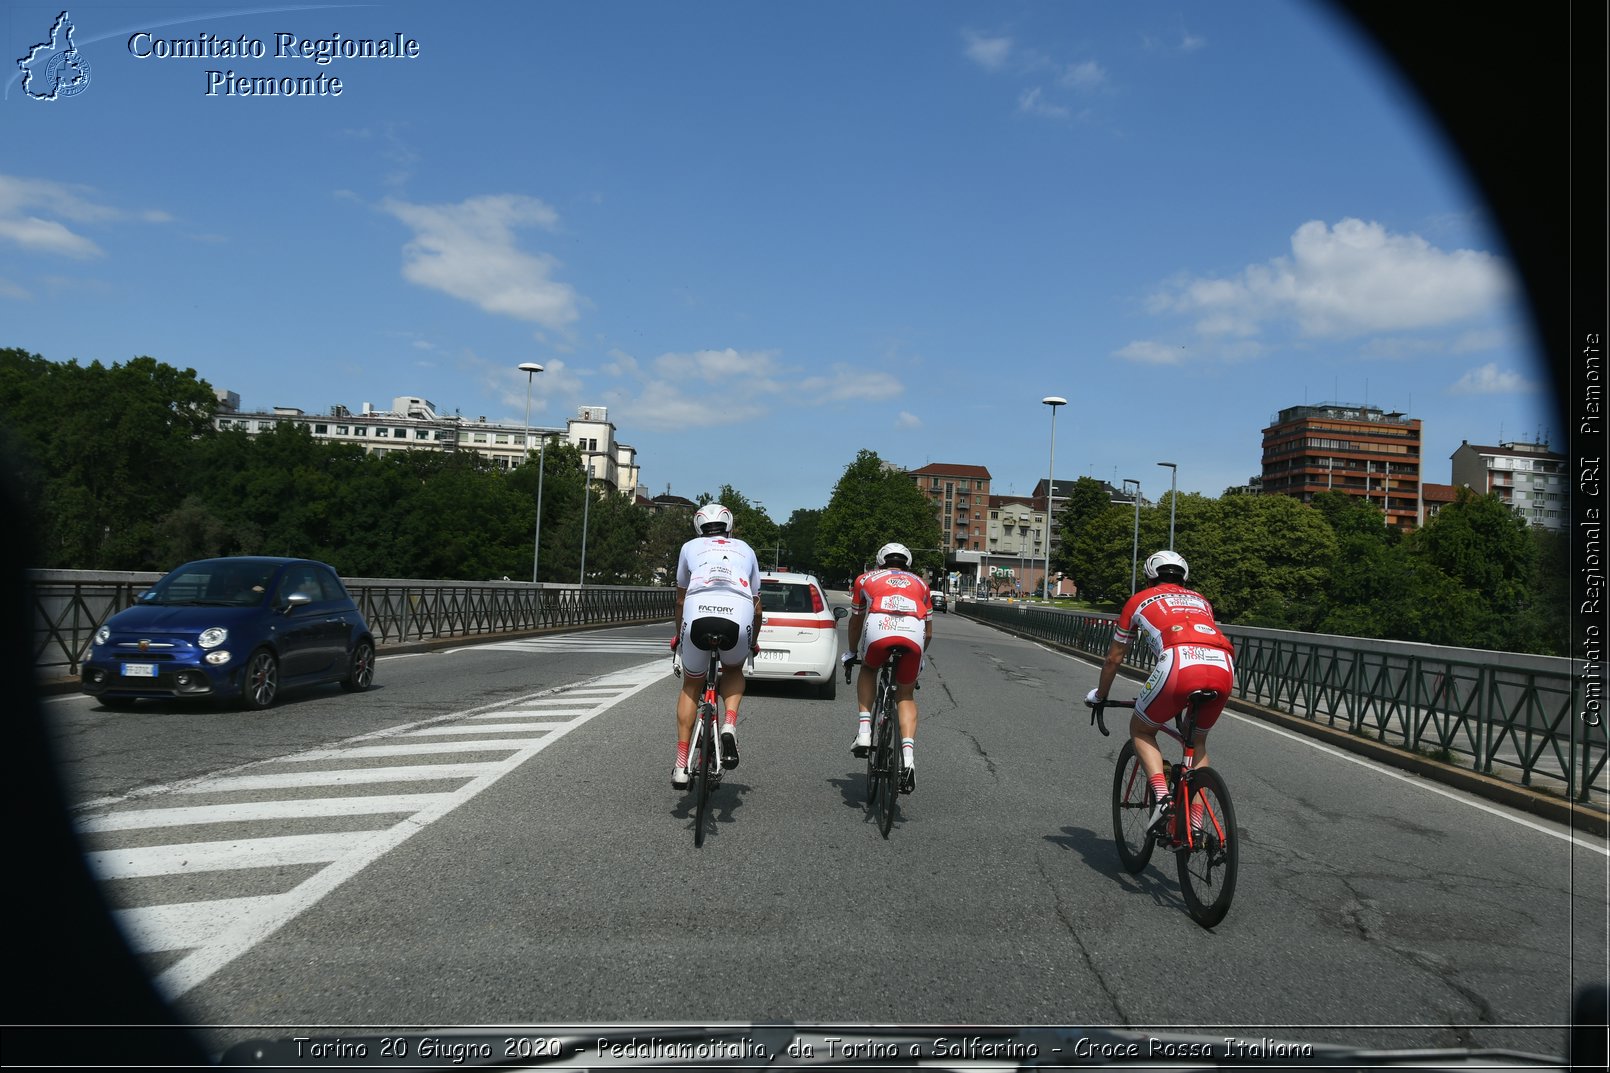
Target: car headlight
<point>213,637</point>
<point>103,635</point>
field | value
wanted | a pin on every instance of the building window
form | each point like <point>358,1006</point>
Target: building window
<point>381,430</point>
<point>422,434</point>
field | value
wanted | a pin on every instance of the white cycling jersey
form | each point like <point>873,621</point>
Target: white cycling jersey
<point>722,563</point>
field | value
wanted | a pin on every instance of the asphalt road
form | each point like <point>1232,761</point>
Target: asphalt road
<point>538,868</point>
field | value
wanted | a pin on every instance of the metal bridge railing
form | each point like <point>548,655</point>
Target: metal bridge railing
<point>70,605</point>
<point>1508,714</point>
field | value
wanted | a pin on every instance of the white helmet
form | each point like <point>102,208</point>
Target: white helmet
<point>1165,560</point>
<point>710,517</point>
<point>893,549</point>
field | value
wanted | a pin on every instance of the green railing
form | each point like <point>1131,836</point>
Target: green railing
<point>1502,713</point>
<point>70,605</point>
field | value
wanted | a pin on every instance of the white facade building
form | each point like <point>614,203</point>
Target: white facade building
<point>416,424</point>
<point>1528,477</point>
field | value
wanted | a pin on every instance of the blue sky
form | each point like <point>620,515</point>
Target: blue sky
<point>769,235</point>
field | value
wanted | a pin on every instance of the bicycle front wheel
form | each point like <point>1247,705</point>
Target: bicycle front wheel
<point>703,770</point>
<point>1131,804</point>
<point>1208,865</point>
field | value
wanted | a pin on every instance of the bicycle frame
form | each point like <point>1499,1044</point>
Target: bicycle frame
<point>1206,859</point>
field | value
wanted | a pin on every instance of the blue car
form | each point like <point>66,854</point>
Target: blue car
<point>239,628</point>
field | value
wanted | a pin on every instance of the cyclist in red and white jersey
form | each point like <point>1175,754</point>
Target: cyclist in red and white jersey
<point>1192,654</point>
<point>890,607</point>
<point>717,589</point>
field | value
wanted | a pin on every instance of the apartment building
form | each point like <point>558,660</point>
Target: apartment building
<point>417,424</point>
<point>1529,477</point>
<point>1356,450</point>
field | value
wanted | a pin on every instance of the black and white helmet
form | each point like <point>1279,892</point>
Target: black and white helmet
<point>1170,561</point>
<point>712,518</point>
<point>889,551</point>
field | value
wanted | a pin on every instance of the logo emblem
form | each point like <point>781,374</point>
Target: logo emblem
<point>145,645</point>
<point>53,68</point>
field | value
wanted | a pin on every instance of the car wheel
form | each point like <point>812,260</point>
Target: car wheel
<point>361,669</point>
<point>828,689</point>
<point>260,681</point>
<point>118,704</point>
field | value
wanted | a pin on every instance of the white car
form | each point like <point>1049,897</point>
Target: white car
<point>799,637</point>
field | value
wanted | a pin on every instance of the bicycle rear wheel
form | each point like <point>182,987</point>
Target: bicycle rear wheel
<point>888,752</point>
<point>1208,866</point>
<point>1131,804</point>
<point>703,769</point>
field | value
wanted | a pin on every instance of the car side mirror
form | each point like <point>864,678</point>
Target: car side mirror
<point>841,612</point>
<point>297,599</point>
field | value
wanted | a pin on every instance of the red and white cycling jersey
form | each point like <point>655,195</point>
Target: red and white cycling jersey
<point>1168,616</point>
<point>892,592</point>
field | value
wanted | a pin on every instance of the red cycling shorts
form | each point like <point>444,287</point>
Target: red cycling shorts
<point>1180,671</point>
<point>885,632</point>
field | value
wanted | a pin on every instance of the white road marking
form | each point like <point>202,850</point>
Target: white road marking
<point>295,809</point>
<point>158,928</point>
<point>270,852</point>
<point>215,933</point>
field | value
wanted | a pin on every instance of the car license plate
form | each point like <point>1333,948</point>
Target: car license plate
<point>771,655</point>
<point>139,670</point>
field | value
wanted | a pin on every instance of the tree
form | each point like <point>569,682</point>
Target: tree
<point>873,504</point>
<point>1087,529</point>
<point>799,535</point>
<point>749,520</point>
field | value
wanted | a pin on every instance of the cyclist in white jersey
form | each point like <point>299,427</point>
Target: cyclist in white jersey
<point>717,580</point>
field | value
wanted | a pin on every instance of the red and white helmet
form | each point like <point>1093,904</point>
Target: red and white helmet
<point>712,518</point>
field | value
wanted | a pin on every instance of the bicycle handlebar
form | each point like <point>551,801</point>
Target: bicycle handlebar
<point>847,665</point>
<point>1099,720</point>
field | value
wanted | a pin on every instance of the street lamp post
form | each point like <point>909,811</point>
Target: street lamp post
<point>586,503</point>
<point>531,369</point>
<point>1052,401</point>
<point>1134,553</point>
<point>1173,497</point>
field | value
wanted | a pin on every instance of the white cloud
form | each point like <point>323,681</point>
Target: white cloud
<point>673,390</point>
<point>1150,352</point>
<point>1033,102</point>
<point>1488,380</point>
<point>9,289</point>
<point>1352,279</point>
<point>47,236</point>
<point>1086,75</point>
<point>990,53</point>
<point>907,420</point>
<point>32,211</point>
<point>468,251</point>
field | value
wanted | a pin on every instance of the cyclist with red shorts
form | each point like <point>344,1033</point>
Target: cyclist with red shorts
<point>890,607</point>
<point>1191,653</point>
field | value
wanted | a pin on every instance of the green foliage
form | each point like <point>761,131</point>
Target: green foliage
<point>873,504</point>
<point>799,536</point>
<point>121,468</point>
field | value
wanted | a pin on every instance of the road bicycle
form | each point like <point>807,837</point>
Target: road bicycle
<point>885,761</point>
<point>705,761</point>
<point>1200,828</point>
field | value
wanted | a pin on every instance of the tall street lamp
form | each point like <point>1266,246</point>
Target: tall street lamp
<point>1134,553</point>
<point>531,369</point>
<point>1173,472</point>
<point>586,502</point>
<point>1052,401</point>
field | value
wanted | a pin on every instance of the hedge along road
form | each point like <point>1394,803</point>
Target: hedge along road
<point>567,889</point>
